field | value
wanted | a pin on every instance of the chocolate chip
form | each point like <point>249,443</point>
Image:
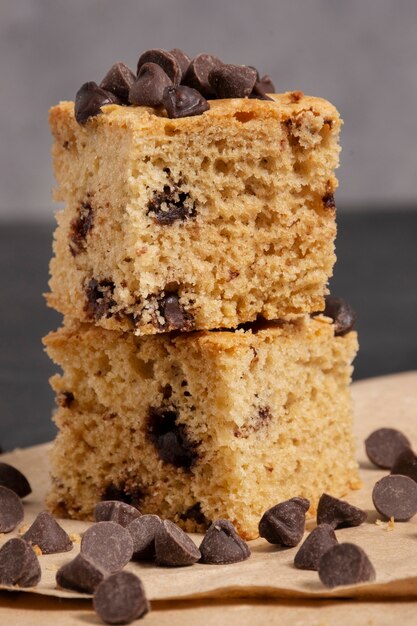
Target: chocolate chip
<point>232,81</point>
<point>176,318</point>
<point>173,546</point>
<point>171,205</point>
<point>182,59</point>
<point>328,201</point>
<point>79,228</point>
<point>182,101</point>
<point>148,89</point>
<point>341,313</point>
<point>195,513</point>
<point>384,445</point>
<point>11,478</point>
<point>19,564</point>
<point>128,494</point>
<point>65,399</point>
<point>284,523</point>
<point>166,60</point>
<point>321,539</point>
<point>197,75</point>
<point>11,510</point>
<point>406,464</point>
<point>143,532</point>
<point>259,92</point>
<point>108,545</point>
<point>118,81</point>
<point>47,534</point>
<point>222,544</point>
<point>99,299</point>
<point>262,87</point>
<point>338,513</point>
<point>395,496</point>
<point>115,511</point>
<point>120,599</point>
<point>345,564</point>
<point>169,438</point>
<point>89,100</point>
<point>80,574</point>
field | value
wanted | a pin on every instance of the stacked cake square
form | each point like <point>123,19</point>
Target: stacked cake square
<point>200,377</point>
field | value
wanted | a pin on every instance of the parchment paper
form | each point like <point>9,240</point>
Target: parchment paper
<point>269,572</point>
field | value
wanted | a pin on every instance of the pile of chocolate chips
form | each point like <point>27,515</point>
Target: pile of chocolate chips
<point>172,80</point>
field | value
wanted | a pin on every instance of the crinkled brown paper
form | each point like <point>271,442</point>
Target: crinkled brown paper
<point>269,572</point>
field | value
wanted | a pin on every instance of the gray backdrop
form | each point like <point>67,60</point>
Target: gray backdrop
<point>360,54</point>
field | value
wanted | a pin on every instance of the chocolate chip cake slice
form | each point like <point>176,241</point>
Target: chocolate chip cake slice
<point>196,222</point>
<point>202,425</point>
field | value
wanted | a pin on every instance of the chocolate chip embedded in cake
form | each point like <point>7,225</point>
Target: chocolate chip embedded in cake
<point>217,204</point>
<point>169,429</point>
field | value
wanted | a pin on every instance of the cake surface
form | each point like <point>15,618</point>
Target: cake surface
<point>194,223</point>
<point>202,425</point>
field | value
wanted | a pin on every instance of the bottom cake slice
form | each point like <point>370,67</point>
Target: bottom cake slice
<point>203,425</point>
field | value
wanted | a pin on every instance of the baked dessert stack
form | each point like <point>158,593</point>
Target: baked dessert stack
<point>200,379</point>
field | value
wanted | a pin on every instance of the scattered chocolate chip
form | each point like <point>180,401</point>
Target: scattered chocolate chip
<point>232,81</point>
<point>128,494</point>
<point>115,511</point>
<point>260,91</point>
<point>79,229</point>
<point>222,544</point>
<point>11,510</point>
<point>339,513</point>
<point>269,86</point>
<point>182,59</point>
<point>341,313</point>
<point>176,318</point>
<point>143,532</point>
<point>89,100</point>
<point>173,546</point>
<point>182,101</point>
<point>284,523</point>
<point>406,464</point>
<point>120,599</point>
<point>171,205</point>
<point>11,478</point>
<point>148,89</point>
<point>108,545</point>
<point>170,438</point>
<point>80,574</point>
<point>345,564</point>
<point>65,399</point>
<point>166,60</point>
<point>321,539</point>
<point>99,298</point>
<point>196,514</point>
<point>19,564</point>
<point>118,81</point>
<point>262,87</point>
<point>384,445</point>
<point>47,534</point>
<point>328,201</point>
<point>197,75</point>
<point>395,496</point>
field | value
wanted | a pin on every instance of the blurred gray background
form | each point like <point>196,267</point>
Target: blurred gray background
<point>360,54</point>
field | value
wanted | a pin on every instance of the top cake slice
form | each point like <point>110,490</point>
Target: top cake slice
<point>194,223</point>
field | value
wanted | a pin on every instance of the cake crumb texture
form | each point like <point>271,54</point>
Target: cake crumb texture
<point>229,214</point>
<point>203,425</point>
